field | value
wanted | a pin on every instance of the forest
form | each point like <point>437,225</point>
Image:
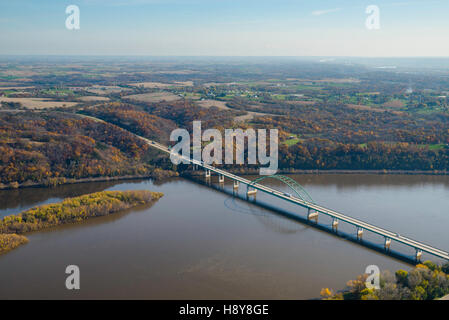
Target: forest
<point>51,148</point>
<point>327,138</point>
<point>426,281</point>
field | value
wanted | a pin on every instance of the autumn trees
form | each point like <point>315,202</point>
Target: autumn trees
<point>427,281</point>
<point>47,148</point>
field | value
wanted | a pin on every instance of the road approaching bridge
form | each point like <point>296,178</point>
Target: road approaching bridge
<point>314,209</point>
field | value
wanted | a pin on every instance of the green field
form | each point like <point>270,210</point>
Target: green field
<point>436,146</point>
<point>58,92</point>
<point>292,141</point>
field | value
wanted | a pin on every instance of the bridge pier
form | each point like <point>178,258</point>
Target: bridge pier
<point>251,192</point>
<point>418,255</point>
<point>236,184</point>
<point>221,178</point>
<point>359,233</point>
<point>335,224</point>
<point>387,244</point>
<point>207,172</point>
<point>312,214</point>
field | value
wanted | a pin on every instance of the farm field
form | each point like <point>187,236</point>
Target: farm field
<point>38,103</point>
<point>153,97</point>
<point>93,98</point>
<point>104,90</point>
<point>213,103</point>
<point>160,85</point>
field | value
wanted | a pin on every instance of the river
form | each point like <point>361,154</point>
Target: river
<point>200,243</point>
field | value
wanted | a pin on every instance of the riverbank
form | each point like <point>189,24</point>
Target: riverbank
<point>253,172</point>
<point>70,210</point>
<point>157,174</point>
<point>160,174</point>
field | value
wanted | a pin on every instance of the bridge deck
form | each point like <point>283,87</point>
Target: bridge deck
<point>340,216</point>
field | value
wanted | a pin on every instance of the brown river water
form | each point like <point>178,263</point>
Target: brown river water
<point>201,243</point>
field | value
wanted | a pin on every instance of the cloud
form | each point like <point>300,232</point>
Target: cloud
<point>321,12</point>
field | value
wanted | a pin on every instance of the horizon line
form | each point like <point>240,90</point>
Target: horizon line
<point>210,56</point>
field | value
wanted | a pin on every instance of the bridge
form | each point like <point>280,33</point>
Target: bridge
<point>301,198</point>
<point>304,200</point>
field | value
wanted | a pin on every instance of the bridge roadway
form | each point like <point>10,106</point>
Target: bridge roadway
<point>419,246</point>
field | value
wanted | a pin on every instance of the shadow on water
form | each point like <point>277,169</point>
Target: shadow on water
<point>283,213</point>
<point>276,223</point>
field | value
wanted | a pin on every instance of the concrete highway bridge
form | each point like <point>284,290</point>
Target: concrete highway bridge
<point>301,198</point>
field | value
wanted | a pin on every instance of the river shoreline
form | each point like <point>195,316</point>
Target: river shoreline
<point>319,171</point>
<point>164,174</point>
<point>170,174</point>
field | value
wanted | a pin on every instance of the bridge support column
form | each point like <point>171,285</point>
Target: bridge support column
<point>236,184</point>
<point>221,178</point>
<point>207,172</point>
<point>335,224</point>
<point>359,233</point>
<point>251,192</point>
<point>312,214</point>
<point>418,255</point>
<point>387,244</point>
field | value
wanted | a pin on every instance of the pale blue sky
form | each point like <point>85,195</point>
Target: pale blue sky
<point>225,27</point>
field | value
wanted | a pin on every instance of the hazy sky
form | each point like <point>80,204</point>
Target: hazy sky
<point>225,27</point>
